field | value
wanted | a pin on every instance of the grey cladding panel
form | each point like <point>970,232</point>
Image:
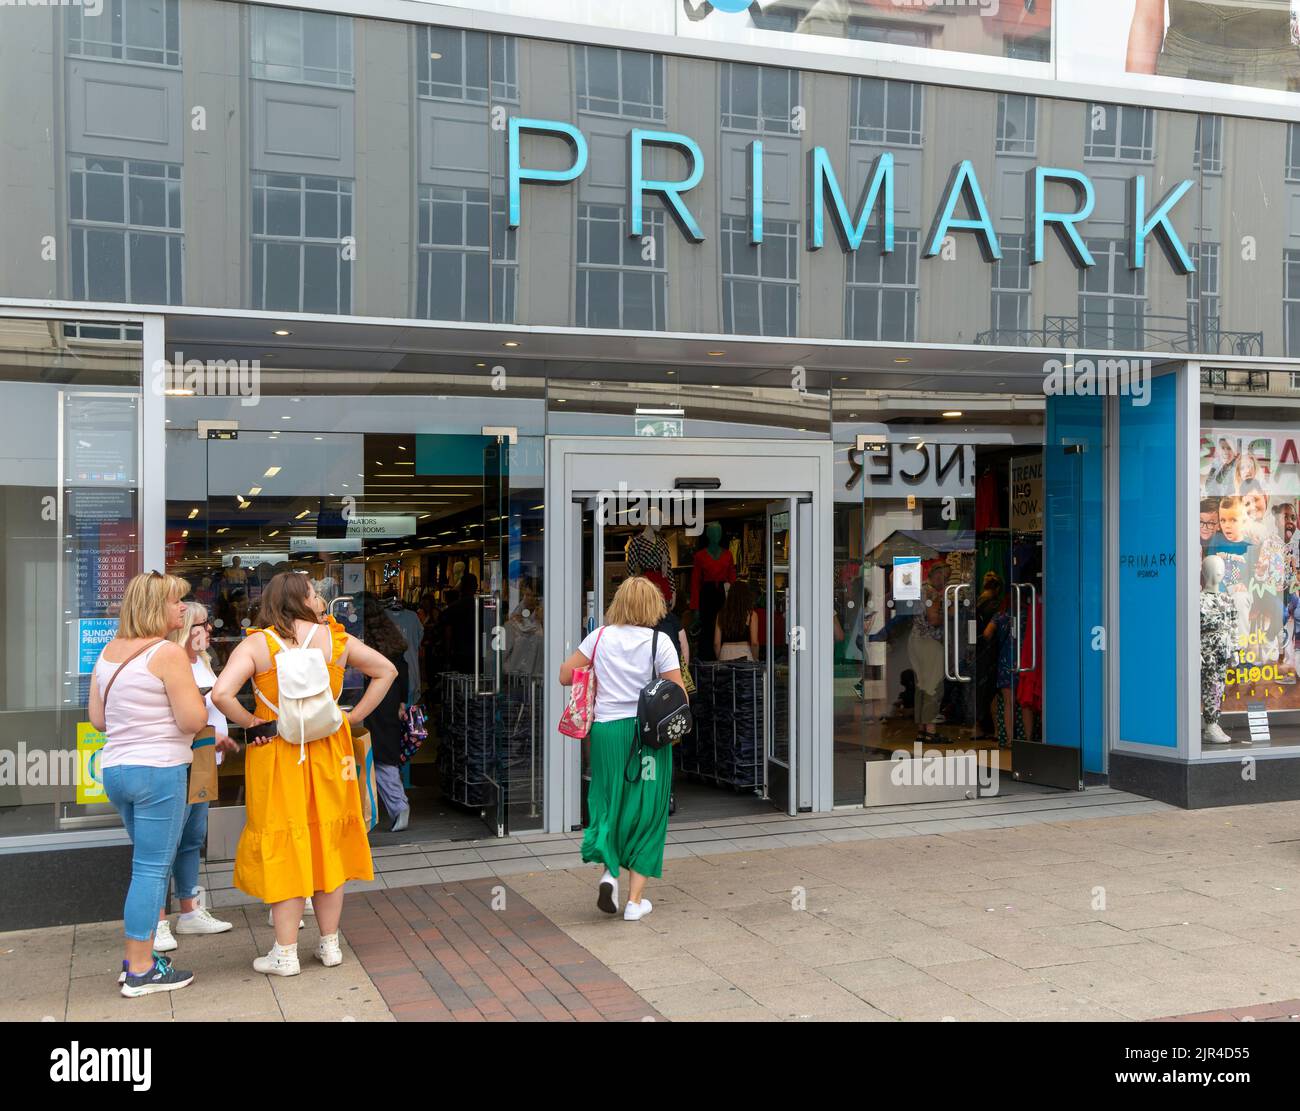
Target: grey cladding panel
<point>1009,201</point>
<point>458,137</point>
<point>781,168</point>
<point>1112,195</point>
<point>907,181</point>
<point>303,129</point>
<point>124,111</point>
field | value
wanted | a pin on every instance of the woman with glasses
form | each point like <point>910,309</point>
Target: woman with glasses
<point>195,636</point>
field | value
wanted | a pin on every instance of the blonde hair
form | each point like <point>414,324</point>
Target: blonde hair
<point>145,602</point>
<point>182,635</point>
<point>637,602</point>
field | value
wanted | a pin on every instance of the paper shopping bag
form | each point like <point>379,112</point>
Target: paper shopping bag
<point>203,766</point>
<point>364,757</point>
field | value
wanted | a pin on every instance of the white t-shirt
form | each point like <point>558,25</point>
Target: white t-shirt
<point>622,664</point>
<point>204,676</point>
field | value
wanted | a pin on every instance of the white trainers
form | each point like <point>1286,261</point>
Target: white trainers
<point>202,921</point>
<point>607,894</point>
<point>635,911</point>
<point>280,961</point>
<point>328,951</point>
<point>163,941</point>
<point>270,917</point>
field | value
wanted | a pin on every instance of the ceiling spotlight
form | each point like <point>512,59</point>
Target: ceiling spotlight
<point>953,413</point>
<point>283,332</point>
<point>510,343</point>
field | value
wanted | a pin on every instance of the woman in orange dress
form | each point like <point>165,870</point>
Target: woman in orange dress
<point>305,834</point>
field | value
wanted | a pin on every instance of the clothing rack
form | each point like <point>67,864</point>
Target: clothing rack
<point>467,759</point>
<point>726,745</point>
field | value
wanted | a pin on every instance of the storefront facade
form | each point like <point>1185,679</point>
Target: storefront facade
<point>988,384</point>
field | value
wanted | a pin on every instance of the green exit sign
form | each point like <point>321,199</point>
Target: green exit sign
<point>660,426</point>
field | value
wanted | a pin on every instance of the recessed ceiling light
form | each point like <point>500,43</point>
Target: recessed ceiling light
<point>435,56</point>
<point>302,515</point>
<point>716,354</point>
<point>271,472</point>
<point>953,413</point>
<point>194,512</point>
<point>179,393</point>
<point>283,332</point>
<point>510,343</point>
<point>902,362</point>
<point>253,491</point>
<point>844,379</point>
<point>286,418</point>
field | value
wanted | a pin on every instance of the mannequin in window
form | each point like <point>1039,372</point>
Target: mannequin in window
<point>648,551</point>
<point>1218,635</point>
<point>714,570</point>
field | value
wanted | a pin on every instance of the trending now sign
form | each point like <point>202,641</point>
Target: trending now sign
<point>877,199</point>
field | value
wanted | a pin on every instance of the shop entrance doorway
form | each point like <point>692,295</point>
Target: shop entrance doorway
<point>964,555</point>
<point>730,534</point>
<point>425,546</point>
<point>725,567</point>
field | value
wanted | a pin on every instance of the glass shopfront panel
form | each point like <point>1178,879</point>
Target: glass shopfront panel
<point>415,501</point>
<point>1249,475</point>
<point>70,398</point>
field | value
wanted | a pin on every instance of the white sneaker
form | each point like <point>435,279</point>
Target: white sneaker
<point>1212,733</point>
<point>270,916</point>
<point>607,894</point>
<point>328,951</point>
<point>280,961</point>
<point>201,921</point>
<point>635,911</point>
<point>163,942</point>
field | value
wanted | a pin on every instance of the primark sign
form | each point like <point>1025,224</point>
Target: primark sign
<point>1147,220</point>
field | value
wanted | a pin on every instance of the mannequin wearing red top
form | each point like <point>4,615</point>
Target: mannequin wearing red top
<point>713,571</point>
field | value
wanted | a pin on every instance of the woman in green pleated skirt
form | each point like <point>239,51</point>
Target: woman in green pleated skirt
<point>627,801</point>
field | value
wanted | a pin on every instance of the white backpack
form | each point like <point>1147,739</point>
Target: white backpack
<point>307,710</point>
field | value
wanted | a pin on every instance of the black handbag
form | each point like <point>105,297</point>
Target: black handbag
<point>663,714</point>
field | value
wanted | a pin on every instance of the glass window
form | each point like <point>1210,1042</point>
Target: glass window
<point>622,282</point>
<point>886,112</point>
<point>124,221</point>
<point>760,283</point>
<point>620,82</point>
<point>1017,124</point>
<point>1293,152</point>
<point>1250,589</point>
<point>881,297</point>
<point>300,224</point>
<point>466,65</point>
<point>1112,299</point>
<point>382,488</point>
<point>1291,301</point>
<point>1011,318</point>
<point>1208,157</point>
<point>307,48</point>
<point>759,98</point>
<point>468,265</point>
<point>126,30</point>
<point>1121,132</point>
<point>1203,298</point>
<point>69,531</point>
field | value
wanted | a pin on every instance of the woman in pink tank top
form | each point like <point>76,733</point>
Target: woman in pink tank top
<point>143,695</point>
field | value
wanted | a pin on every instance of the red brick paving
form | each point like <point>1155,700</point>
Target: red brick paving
<point>442,953</point>
<point>1260,1012</point>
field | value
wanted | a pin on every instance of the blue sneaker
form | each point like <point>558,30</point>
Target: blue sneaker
<point>161,977</point>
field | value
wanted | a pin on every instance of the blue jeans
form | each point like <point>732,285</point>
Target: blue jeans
<point>194,832</point>
<point>152,803</point>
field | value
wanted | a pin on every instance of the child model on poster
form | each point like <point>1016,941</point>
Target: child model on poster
<point>1218,637</point>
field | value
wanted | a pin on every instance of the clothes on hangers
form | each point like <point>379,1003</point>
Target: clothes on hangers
<point>408,623</point>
